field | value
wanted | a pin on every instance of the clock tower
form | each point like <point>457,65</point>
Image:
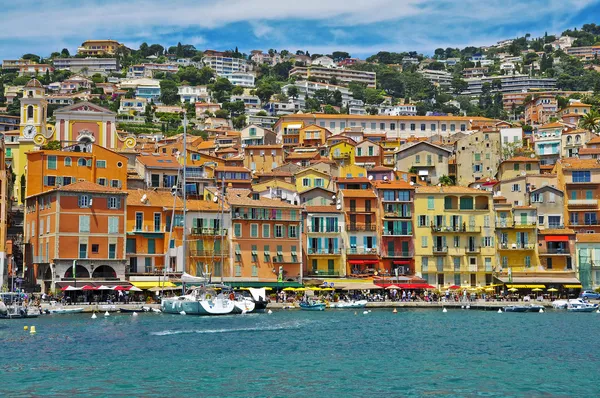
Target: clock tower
<point>34,109</point>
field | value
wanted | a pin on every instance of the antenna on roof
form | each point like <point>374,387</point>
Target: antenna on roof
<point>385,178</point>
<point>411,183</point>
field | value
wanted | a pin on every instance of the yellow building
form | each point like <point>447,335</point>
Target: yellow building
<point>517,166</point>
<point>454,236</point>
<point>313,135</point>
<point>311,178</point>
<point>99,47</point>
<point>352,170</point>
<point>342,153</point>
<point>516,228</point>
<point>4,208</point>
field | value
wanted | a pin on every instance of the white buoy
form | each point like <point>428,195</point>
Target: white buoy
<point>395,311</point>
<point>134,314</point>
<point>365,312</point>
<point>541,310</point>
<point>269,312</point>
<point>106,313</point>
<point>468,307</point>
<point>182,313</point>
<point>369,310</point>
<point>598,311</point>
<point>444,310</point>
<point>499,310</point>
<point>462,307</point>
<point>94,316</point>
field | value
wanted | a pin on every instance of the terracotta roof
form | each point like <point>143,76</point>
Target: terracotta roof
<point>578,164</point>
<point>381,168</point>
<point>451,189</point>
<point>351,179</point>
<point>525,207</point>
<point>232,168</point>
<point>522,159</point>
<point>576,131</point>
<point>595,140</point>
<point>156,160</point>
<point>87,186</point>
<point>153,198</point>
<point>34,83</point>
<point>240,197</point>
<point>322,209</point>
<point>398,184</point>
<point>358,193</point>
<point>206,145</point>
<point>589,151</point>
<point>546,166</point>
<point>587,238</point>
<point>302,155</point>
<point>554,125</point>
<point>263,147</point>
<point>227,150</point>
<point>556,232</point>
<point>274,174</point>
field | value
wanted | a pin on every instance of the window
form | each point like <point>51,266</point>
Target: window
<point>422,126</point>
<point>457,241</point>
<point>488,241</point>
<point>440,158</point>
<point>95,248</point>
<point>278,231</point>
<point>83,250</point>
<point>267,253</point>
<point>463,127</point>
<point>68,161</point>
<point>424,264</point>
<point>117,184</point>
<point>527,261</point>
<point>423,241</point>
<point>102,181</point>
<point>84,223</point>
<point>582,176</point>
<point>84,201</point>
<point>516,167</point>
<point>292,231</point>
<point>266,231</point>
<point>237,230</point>
<point>52,162</point>
<point>306,182</point>
<point>443,127</point>
<point>319,182</point>
<point>413,127</point>
<point>50,181</point>
<point>432,127</point>
<point>112,251</point>
<point>477,157</point>
<point>430,203</point>
<point>157,222</point>
<point>81,162</point>
<point>516,188</point>
<point>113,225</point>
<point>417,158</point>
<point>254,230</point>
<point>101,164</point>
<point>528,166</point>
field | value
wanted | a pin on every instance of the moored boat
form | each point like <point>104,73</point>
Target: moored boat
<point>74,310</point>
<point>199,301</point>
<point>516,308</point>
<point>312,306</point>
<point>348,304</point>
<point>581,307</point>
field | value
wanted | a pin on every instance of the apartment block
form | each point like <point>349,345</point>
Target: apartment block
<point>323,242</point>
<point>342,75</point>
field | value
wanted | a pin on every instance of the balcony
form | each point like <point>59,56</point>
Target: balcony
<point>591,223</point>
<point>329,252</point>
<point>319,273</point>
<point>354,209</point>
<point>517,246</point>
<point>557,251</point>
<point>397,253</point>
<point>361,227</point>
<point>209,231</point>
<point>285,260</point>
<point>440,249</point>
<point>472,249</point>
<point>362,251</point>
<point>340,156</point>
<point>455,229</point>
<point>397,214</point>
<point>252,217</point>
<point>531,223</point>
<point>324,229</point>
<point>209,253</point>
<point>396,232</point>
<point>504,224</point>
<point>583,203</point>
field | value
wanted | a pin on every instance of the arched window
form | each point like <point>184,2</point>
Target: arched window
<point>67,161</point>
<point>569,139</point>
<point>30,112</point>
<point>81,162</point>
<point>577,139</point>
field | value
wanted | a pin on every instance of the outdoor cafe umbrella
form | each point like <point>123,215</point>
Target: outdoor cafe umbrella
<point>104,287</point>
<point>89,287</point>
<point>513,289</point>
<point>537,289</point>
<point>390,287</point>
<point>135,289</point>
<point>553,289</point>
<point>288,289</point>
<point>70,288</point>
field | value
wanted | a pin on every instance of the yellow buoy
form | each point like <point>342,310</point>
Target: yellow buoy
<point>32,331</point>
<point>25,327</point>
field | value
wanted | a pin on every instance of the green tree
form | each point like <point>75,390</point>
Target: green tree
<point>238,122</point>
<point>14,108</point>
<point>261,113</point>
<point>330,110</point>
<point>445,180</point>
<point>222,114</point>
<point>52,146</point>
<point>168,92</point>
<point>236,108</point>
<point>65,53</point>
<point>338,56</point>
<point>590,121</point>
<point>292,92</point>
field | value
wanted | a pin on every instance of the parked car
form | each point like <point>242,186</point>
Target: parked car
<point>590,294</point>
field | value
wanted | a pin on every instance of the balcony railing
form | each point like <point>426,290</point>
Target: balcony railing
<point>361,227</point>
<point>590,223</point>
<point>340,156</point>
<point>387,253</point>
<point>209,231</point>
<point>517,246</point>
<point>284,217</point>
<point>318,272</point>
<point>456,228</point>
<point>504,224</point>
<point>324,229</point>
<point>312,250</point>
<point>440,249</point>
<point>472,249</point>
<point>355,209</point>
<point>554,251</point>
<point>362,250</point>
<point>397,214</point>
<point>397,232</point>
<point>209,253</point>
<point>583,203</point>
<point>531,223</point>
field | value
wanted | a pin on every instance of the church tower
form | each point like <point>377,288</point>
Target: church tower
<point>34,111</point>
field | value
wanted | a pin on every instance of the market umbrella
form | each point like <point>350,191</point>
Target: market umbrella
<point>513,289</point>
<point>454,287</point>
<point>390,287</point>
<point>553,289</point>
<point>70,289</point>
<point>288,289</point>
<point>119,287</point>
<point>300,289</point>
<point>537,289</point>
<point>135,289</point>
<point>89,287</point>
<point>267,288</point>
<point>103,287</point>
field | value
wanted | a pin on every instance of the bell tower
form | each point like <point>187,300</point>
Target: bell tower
<point>34,109</point>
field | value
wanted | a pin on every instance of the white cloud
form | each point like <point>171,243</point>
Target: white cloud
<point>260,29</point>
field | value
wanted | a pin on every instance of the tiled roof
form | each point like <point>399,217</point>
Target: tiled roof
<point>589,151</point>
<point>153,198</point>
<point>358,193</point>
<point>451,189</point>
<point>158,160</point>
<point>235,169</point>
<point>302,155</point>
<point>521,159</point>
<point>87,186</point>
<point>554,125</point>
<point>556,232</point>
<point>240,197</point>
<point>579,164</point>
<point>587,238</point>
<point>594,140</point>
<point>397,184</point>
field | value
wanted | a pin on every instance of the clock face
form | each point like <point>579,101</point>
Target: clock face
<point>29,131</point>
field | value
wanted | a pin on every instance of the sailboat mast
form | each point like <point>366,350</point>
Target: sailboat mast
<point>222,221</point>
<point>184,191</point>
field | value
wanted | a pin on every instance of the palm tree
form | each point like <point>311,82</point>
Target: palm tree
<point>590,121</point>
<point>446,180</point>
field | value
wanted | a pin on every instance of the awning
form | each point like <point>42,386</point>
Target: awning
<point>401,262</point>
<point>423,172</point>
<point>275,285</point>
<point>371,261</point>
<point>572,286</point>
<point>294,126</point>
<point>556,238</point>
<point>356,262</point>
<point>526,286</point>
<point>150,284</point>
<point>541,279</point>
<point>415,286</point>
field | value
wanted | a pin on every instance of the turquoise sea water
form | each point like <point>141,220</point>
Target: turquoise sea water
<point>295,353</point>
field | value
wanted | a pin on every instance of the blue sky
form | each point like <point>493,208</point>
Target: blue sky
<point>361,27</point>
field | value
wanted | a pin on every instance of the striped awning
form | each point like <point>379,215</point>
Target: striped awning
<point>572,286</point>
<point>526,286</point>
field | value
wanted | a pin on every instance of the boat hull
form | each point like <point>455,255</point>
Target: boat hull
<point>349,305</point>
<point>516,308</point>
<point>312,307</point>
<point>198,307</point>
<point>65,310</point>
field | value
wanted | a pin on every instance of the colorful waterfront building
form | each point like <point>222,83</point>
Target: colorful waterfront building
<point>323,230</point>
<point>396,199</point>
<point>587,248</point>
<point>99,47</point>
<point>5,207</point>
<point>454,236</point>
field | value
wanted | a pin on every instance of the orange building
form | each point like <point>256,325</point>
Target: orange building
<point>263,158</point>
<point>81,223</point>
<point>266,238</point>
<point>48,170</point>
<point>313,135</point>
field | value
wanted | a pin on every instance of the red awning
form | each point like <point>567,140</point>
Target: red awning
<point>371,261</point>
<point>401,262</point>
<point>356,262</point>
<point>556,238</point>
<point>415,286</point>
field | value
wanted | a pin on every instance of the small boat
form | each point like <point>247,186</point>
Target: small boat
<point>349,304</point>
<point>12,307</point>
<point>129,310</point>
<point>74,310</point>
<point>535,308</point>
<point>516,308</point>
<point>582,307</point>
<point>199,301</point>
<point>312,306</point>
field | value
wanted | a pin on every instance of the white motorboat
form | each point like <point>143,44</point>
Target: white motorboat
<point>199,301</point>
<point>579,305</point>
<point>349,304</point>
<point>74,310</point>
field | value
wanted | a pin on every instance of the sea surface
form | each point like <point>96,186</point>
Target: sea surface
<point>335,353</point>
